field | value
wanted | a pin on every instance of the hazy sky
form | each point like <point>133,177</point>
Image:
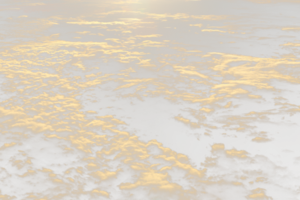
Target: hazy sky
<point>149,99</point>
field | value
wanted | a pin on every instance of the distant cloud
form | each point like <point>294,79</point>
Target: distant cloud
<point>187,122</point>
<point>261,140</point>
<point>292,44</point>
<point>297,160</point>
<point>9,9</point>
<point>273,1</point>
<point>23,16</point>
<point>291,29</point>
<point>213,30</point>
<point>30,4</point>
<point>52,147</point>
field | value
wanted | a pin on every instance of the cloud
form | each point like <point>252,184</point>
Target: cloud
<point>151,179</point>
<point>23,16</point>
<point>198,25</point>
<point>96,22</point>
<point>30,26</point>
<point>259,194</point>
<point>48,131</point>
<point>297,160</point>
<point>213,31</point>
<point>291,29</point>
<point>273,1</point>
<point>261,140</point>
<point>30,4</point>
<point>291,44</point>
<point>187,122</point>
<point>53,147</point>
<point>9,9</point>
<point>146,36</point>
<point>228,162</point>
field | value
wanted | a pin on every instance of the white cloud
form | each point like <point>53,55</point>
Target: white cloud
<point>261,140</point>
<point>22,16</point>
<point>291,29</point>
<point>187,122</point>
<point>291,44</point>
<point>149,36</point>
<point>55,150</point>
<point>197,25</point>
<point>259,194</point>
<point>297,160</point>
<point>213,31</point>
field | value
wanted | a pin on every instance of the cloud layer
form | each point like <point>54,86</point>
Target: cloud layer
<point>149,100</point>
<point>68,110</point>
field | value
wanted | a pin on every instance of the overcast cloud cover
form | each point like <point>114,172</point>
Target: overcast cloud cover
<point>149,99</point>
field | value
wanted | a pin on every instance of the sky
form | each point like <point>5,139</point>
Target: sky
<point>158,100</point>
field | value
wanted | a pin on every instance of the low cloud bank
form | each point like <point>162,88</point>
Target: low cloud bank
<point>54,145</point>
<point>52,149</point>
